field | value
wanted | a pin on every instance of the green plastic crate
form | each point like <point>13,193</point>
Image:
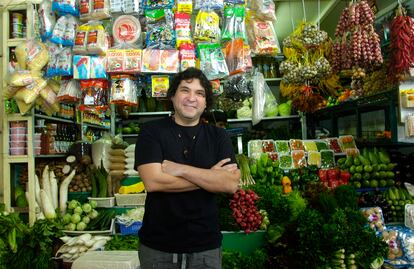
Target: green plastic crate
<point>240,241</point>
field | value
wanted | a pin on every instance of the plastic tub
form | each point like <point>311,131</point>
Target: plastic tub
<point>17,144</point>
<point>14,124</point>
<point>18,130</point>
<point>17,151</point>
<point>17,137</point>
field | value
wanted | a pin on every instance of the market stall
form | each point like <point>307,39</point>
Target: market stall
<point>323,185</point>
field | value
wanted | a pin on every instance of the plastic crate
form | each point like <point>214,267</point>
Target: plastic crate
<point>103,201</point>
<point>131,229</point>
<point>130,199</point>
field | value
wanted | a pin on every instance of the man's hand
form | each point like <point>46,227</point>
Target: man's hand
<point>224,165</point>
<point>171,168</point>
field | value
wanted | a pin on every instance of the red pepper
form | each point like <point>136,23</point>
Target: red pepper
<point>333,174</point>
<point>345,176</point>
<point>323,175</point>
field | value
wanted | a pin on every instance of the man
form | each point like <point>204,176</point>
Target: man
<point>183,163</point>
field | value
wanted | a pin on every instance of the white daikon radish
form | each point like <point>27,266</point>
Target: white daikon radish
<point>72,241</point>
<point>53,188</point>
<point>63,192</point>
<point>72,250</point>
<point>37,191</point>
<point>46,182</point>
<point>90,243</point>
<point>83,238</point>
<point>98,244</point>
<point>48,209</point>
<point>65,239</point>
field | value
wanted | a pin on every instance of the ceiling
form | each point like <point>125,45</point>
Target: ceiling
<point>325,11</point>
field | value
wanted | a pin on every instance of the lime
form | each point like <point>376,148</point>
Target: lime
<point>368,168</point>
<point>365,183</point>
<point>359,169</point>
<point>373,183</point>
<point>390,182</point>
<point>357,184</point>
<point>357,176</point>
<point>383,183</point>
<point>352,169</point>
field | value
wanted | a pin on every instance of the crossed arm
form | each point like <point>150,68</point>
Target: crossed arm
<point>169,176</point>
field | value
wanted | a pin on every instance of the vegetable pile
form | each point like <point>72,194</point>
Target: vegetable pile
<point>245,211</point>
<point>79,215</point>
<point>74,247</point>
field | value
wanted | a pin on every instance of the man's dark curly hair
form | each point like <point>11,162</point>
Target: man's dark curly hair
<point>189,74</point>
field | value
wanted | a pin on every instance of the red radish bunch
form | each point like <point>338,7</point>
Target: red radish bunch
<point>245,211</point>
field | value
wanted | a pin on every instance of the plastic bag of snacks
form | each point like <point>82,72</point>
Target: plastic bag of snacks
<point>100,10</point>
<point>212,61</point>
<point>123,90</point>
<point>183,28</point>
<point>81,38</point>
<point>264,9</point>
<point>234,25</point>
<point>32,55</point>
<point>185,6</point>
<point>22,78</point>
<point>160,36</point>
<point>209,4</point>
<point>65,7</point>
<point>97,41</point>
<point>238,57</point>
<point>154,4</point>
<point>95,93</point>
<point>159,85</point>
<point>160,61</point>
<point>187,56</point>
<point>262,37</point>
<point>47,19</point>
<point>29,93</point>
<point>123,60</point>
<point>69,91</point>
<point>207,27</point>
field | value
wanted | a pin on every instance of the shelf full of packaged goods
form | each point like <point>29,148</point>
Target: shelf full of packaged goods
<point>96,126</point>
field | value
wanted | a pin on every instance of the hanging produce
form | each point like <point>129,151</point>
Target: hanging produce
<point>356,45</point>
<point>307,75</point>
<point>402,44</point>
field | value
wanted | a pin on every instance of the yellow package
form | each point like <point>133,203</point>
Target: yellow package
<point>207,28</point>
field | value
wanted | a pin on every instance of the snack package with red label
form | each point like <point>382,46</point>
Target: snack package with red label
<point>115,61</point>
<point>151,60</point>
<point>182,28</point>
<point>262,37</point>
<point>123,90</point>
<point>94,94</point>
<point>238,59</point>
<point>169,61</point>
<point>69,91</point>
<point>187,56</point>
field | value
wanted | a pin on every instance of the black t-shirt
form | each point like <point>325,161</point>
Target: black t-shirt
<point>181,222</point>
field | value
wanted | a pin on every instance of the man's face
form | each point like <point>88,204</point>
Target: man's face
<point>189,102</point>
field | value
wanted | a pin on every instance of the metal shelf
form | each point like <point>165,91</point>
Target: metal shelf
<point>54,118</point>
<point>51,155</point>
<point>96,126</point>
<point>292,117</point>
<point>158,113</point>
<point>273,79</point>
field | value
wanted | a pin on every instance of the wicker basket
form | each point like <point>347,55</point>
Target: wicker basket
<point>131,229</point>
<point>130,199</point>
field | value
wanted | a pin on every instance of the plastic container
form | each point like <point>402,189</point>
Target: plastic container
<point>314,158</point>
<point>107,259</point>
<point>17,144</point>
<point>18,151</point>
<point>103,201</point>
<point>37,143</point>
<point>18,130</point>
<point>282,146</point>
<point>17,137</point>
<point>14,124</point>
<point>131,229</point>
<point>37,150</point>
<point>130,199</point>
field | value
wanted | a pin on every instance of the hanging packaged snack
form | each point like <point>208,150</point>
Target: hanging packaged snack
<point>187,56</point>
<point>160,16</point>
<point>59,30</point>
<point>160,61</point>
<point>160,36</point>
<point>29,93</point>
<point>70,31</point>
<point>49,97</point>
<point>64,62</point>
<point>66,7</point>
<point>159,85</point>
<point>170,62</point>
<point>262,37</point>
<point>115,60</point>
<point>234,25</point>
<point>215,87</point>
<point>207,27</point>
<point>183,28</point>
<point>238,87</point>
<point>32,55</point>
<point>234,2</point>
<point>98,67</point>
<point>100,9</point>
<point>126,29</point>
<point>81,67</point>
<point>81,39</point>
<point>133,62</point>
<point>95,94</point>
<point>299,159</point>
<point>130,6</point>
<point>264,9</point>
<point>212,61</point>
<point>69,91</point>
<point>185,6</point>
<point>54,50</point>
<point>209,4</point>
<point>85,10</point>
<point>238,57</point>
<point>123,90</point>
<point>157,4</point>
<point>20,78</point>
<point>116,6</point>
<point>314,158</point>
<point>47,19</point>
<point>97,41</point>
<point>296,144</point>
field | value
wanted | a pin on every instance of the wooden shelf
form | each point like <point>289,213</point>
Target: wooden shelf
<point>40,116</point>
<point>16,159</point>
<point>51,155</point>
